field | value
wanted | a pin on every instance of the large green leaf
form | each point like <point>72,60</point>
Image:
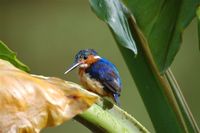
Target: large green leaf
<point>162,22</point>
<point>153,90</point>
<point>9,55</point>
<point>115,16</point>
<point>153,87</point>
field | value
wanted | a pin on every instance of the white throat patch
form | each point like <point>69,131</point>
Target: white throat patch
<point>84,65</point>
<point>97,57</point>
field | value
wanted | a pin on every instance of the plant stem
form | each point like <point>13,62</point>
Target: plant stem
<point>106,117</point>
<point>186,113</point>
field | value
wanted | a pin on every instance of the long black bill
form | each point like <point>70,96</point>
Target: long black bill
<point>73,67</point>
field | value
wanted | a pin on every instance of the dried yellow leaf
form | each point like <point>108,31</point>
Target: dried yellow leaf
<point>29,103</point>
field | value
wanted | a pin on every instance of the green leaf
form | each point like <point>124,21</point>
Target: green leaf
<point>115,16</point>
<point>162,22</point>
<point>9,55</point>
<point>198,18</point>
<point>155,90</point>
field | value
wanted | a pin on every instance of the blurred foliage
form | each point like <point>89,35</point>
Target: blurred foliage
<point>198,18</point>
<point>43,35</point>
<point>7,54</point>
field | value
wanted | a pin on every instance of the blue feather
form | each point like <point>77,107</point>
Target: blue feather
<point>106,73</point>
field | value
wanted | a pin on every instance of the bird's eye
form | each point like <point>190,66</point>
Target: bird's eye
<point>84,57</point>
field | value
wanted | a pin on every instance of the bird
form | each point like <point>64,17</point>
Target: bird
<point>97,74</point>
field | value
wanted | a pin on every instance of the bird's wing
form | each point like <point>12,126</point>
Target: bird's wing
<point>107,74</point>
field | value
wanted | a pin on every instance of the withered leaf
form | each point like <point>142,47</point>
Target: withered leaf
<point>29,103</point>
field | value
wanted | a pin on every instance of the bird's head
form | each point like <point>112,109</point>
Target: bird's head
<point>84,59</point>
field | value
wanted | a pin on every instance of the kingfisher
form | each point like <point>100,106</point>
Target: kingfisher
<point>97,74</point>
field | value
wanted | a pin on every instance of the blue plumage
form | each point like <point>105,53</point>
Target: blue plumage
<point>106,73</point>
<point>98,74</point>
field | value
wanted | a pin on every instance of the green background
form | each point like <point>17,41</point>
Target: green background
<point>47,34</point>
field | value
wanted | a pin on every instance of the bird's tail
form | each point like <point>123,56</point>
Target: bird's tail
<point>116,99</point>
